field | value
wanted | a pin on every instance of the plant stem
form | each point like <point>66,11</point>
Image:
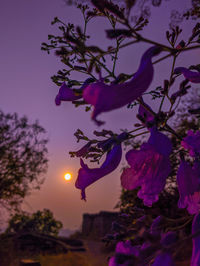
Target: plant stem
<point>170,80</point>
<point>134,130</point>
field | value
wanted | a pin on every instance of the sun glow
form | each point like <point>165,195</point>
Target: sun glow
<point>67,176</point>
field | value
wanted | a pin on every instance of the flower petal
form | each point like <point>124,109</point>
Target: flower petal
<point>188,179</point>
<point>160,142</point>
<point>192,76</point>
<point>195,261</point>
<point>125,254</point>
<point>112,262</point>
<point>67,94</point>
<point>155,228</point>
<point>147,116</point>
<point>87,176</point>
<point>168,239</point>
<point>164,259</point>
<point>107,144</point>
<point>83,151</point>
<point>192,143</point>
<point>127,248</point>
<point>150,166</point>
<point>105,97</point>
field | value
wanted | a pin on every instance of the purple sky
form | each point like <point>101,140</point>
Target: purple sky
<point>26,88</point>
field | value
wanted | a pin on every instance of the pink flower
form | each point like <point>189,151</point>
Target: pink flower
<point>192,76</point>
<point>105,97</point>
<point>195,261</point>
<point>188,179</point>
<point>150,166</point>
<point>192,143</point>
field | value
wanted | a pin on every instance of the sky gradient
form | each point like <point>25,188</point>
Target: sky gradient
<point>26,88</point>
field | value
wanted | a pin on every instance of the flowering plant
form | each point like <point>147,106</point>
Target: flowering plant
<point>144,237</point>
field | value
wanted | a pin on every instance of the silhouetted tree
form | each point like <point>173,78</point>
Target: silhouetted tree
<point>23,158</point>
<point>40,222</point>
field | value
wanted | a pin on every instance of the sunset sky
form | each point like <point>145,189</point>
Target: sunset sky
<point>26,88</point>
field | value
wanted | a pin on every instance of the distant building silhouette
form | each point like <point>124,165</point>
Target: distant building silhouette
<point>98,225</point>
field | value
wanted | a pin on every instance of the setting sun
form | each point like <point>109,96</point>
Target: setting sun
<point>67,176</point>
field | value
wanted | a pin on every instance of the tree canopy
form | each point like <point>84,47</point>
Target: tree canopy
<point>40,222</point>
<point>23,158</point>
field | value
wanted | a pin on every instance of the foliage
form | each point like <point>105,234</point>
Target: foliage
<point>23,158</point>
<point>41,222</point>
<point>169,146</point>
<point>128,199</point>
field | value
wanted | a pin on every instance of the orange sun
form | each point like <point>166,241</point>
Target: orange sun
<point>67,176</point>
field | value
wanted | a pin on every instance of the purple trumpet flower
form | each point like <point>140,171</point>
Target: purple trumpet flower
<point>67,94</point>
<point>105,145</point>
<point>168,239</point>
<point>83,151</point>
<point>125,254</point>
<point>192,76</point>
<point>105,97</point>
<point>164,259</point>
<point>156,227</point>
<point>87,176</point>
<point>127,249</point>
<point>146,116</point>
<point>192,143</point>
<point>188,179</point>
<point>195,261</point>
<point>150,166</point>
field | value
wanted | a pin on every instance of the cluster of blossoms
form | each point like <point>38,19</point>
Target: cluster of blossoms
<point>149,166</point>
<point>159,244</point>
